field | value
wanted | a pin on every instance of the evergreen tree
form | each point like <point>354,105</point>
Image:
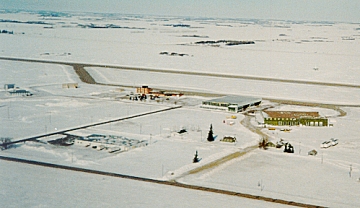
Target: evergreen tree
<point>196,159</point>
<point>210,137</point>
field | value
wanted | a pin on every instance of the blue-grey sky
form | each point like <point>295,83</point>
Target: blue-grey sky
<point>318,10</point>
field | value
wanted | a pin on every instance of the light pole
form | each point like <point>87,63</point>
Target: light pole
<point>162,170</point>
<point>260,184</point>
<point>50,117</point>
<point>322,157</point>
<point>8,110</point>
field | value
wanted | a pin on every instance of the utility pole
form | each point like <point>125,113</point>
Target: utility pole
<point>162,170</point>
<point>322,157</point>
<point>110,122</point>
<point>50,116</point>
<point>260,184</point>
<point>9,110</point>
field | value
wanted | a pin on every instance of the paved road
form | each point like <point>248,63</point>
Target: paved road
<point>149,180</point>
<point>89,125</point>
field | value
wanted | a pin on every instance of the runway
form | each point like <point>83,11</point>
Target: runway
<point>78,66</point>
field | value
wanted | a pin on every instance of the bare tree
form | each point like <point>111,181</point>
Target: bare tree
<point>263,143</point>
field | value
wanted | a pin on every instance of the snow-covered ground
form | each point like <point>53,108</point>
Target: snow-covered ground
<point>265,89</point>
<point>32,186</point>
<point>282,49</point>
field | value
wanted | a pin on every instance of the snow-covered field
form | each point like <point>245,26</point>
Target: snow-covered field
<point>282,49</point>
<point>44,187</point>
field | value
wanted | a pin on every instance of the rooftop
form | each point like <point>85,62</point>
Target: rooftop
<point>235,99</point>
<point>292,114</point>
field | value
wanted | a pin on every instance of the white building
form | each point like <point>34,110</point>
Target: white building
<point>9,86</point>
<point>231,103</point>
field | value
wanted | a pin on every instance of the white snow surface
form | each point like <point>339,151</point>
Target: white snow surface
<point>282,49</point>
<point>60,188</point>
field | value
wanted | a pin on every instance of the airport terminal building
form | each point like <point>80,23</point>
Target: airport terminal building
<point>231,103</point>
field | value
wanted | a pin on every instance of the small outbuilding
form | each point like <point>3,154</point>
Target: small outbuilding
<point>312,152</point>
<point>143,90</point>
<point>70,85</point>
<point>228,139</point>
<point>9,86</point>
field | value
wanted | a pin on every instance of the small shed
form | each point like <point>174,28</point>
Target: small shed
<point>312,152</point>
<point>70,85</point>
<point>143,90</point>
<point>228,139</point>
<point>182,131</point>
<point>9,86</point>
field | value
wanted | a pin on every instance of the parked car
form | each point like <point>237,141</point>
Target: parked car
<point>312,152</point>
<point>280,143</point>
<point>326,144</point>
<point>334,141</point>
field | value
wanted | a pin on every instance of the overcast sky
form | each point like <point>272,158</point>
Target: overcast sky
<point>318,10</point>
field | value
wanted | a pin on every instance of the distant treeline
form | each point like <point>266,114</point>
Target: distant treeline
<point>6,32</point>
<point>91,25</point>
<point>26,22</point>
<point>226,42</point>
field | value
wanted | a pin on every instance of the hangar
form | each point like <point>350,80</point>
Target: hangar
<point>231,103</point>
